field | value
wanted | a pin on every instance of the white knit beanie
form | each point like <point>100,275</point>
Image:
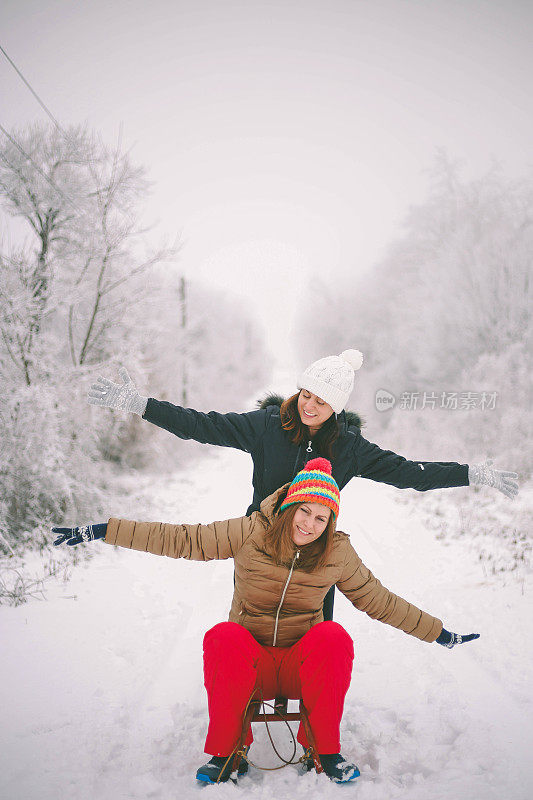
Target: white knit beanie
<point>332,378</point>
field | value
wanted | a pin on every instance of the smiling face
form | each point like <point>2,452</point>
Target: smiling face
<point>309,522</point>
<point>313,410</point>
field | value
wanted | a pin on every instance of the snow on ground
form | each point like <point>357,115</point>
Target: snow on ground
<point>102,694</point>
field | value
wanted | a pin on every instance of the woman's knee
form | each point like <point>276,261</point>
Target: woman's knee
<point>330,634</point>
<point>229,637</point>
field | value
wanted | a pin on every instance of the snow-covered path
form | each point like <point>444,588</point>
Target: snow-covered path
<point>101,686</point>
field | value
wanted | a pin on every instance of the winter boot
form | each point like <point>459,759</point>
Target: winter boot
<point>215,772</point>
<point>335,766</point>
<point>338,769</point>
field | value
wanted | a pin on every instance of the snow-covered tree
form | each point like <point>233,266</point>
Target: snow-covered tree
<point>453,295</point>
<point>81,291</point>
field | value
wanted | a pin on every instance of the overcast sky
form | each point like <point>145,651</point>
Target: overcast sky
<point>284,139</point>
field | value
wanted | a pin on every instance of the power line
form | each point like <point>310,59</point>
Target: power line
<point>34,93</point>
<point>39,170</point>
<point>54,120</point>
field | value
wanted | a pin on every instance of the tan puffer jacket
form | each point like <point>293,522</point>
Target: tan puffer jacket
<point>276,604</point>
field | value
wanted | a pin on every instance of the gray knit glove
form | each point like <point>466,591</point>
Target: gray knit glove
<point>486,474</point>
<point>123,397</point>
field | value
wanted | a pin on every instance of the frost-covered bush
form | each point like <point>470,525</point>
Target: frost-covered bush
<point>505,433</point>
<point>47,469</point>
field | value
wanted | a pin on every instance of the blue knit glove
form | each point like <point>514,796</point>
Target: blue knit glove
<point>84,533</point>
<point>448,639</point>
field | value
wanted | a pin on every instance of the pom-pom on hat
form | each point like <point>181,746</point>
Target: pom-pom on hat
<point>314,484</point>
<point>332,378</point>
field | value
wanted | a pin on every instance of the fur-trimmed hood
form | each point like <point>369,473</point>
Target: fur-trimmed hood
<point>345,418</point>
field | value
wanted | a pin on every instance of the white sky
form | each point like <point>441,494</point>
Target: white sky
<point>283,138</point>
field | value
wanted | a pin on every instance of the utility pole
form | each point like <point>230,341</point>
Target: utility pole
<point>183,307</point>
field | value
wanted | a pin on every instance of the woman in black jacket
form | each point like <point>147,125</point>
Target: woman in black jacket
<point>282,436</point>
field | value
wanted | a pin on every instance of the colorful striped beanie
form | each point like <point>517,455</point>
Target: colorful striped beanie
<point>314,484</point>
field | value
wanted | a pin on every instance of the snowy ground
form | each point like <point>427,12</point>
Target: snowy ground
<point>102,694</point>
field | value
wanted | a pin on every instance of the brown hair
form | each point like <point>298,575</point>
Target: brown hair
<point>291,422</point>
<point>280,546</point>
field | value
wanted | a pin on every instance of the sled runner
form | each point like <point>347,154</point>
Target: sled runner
<point>255,712</point>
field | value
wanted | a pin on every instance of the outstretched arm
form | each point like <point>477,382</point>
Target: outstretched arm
<point>370,461</point>
<point>241,431</point>
<point>219,540</point>
<point>367,594</point>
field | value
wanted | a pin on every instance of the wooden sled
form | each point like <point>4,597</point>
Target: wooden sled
<point>280,713</point>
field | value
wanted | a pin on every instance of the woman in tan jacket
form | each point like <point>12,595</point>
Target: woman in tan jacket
<point>287,556</point>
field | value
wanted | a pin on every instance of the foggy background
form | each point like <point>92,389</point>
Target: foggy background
<point>227,191</point>
<point>284,140</point>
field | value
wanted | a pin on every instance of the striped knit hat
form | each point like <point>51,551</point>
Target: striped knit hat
<point>314,484</point>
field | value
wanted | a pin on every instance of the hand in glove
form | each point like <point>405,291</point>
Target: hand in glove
<point>448,639</point>
<point>123,397</point>
<point>85,533</point>
<point>486,474</point>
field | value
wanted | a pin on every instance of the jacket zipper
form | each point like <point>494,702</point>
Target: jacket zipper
<point>283,598</point>
<point>308,449</point>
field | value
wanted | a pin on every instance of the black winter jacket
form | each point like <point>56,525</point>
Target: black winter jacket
<point>276,459</point>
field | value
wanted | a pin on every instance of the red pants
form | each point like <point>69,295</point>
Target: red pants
<point>317,669</point>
